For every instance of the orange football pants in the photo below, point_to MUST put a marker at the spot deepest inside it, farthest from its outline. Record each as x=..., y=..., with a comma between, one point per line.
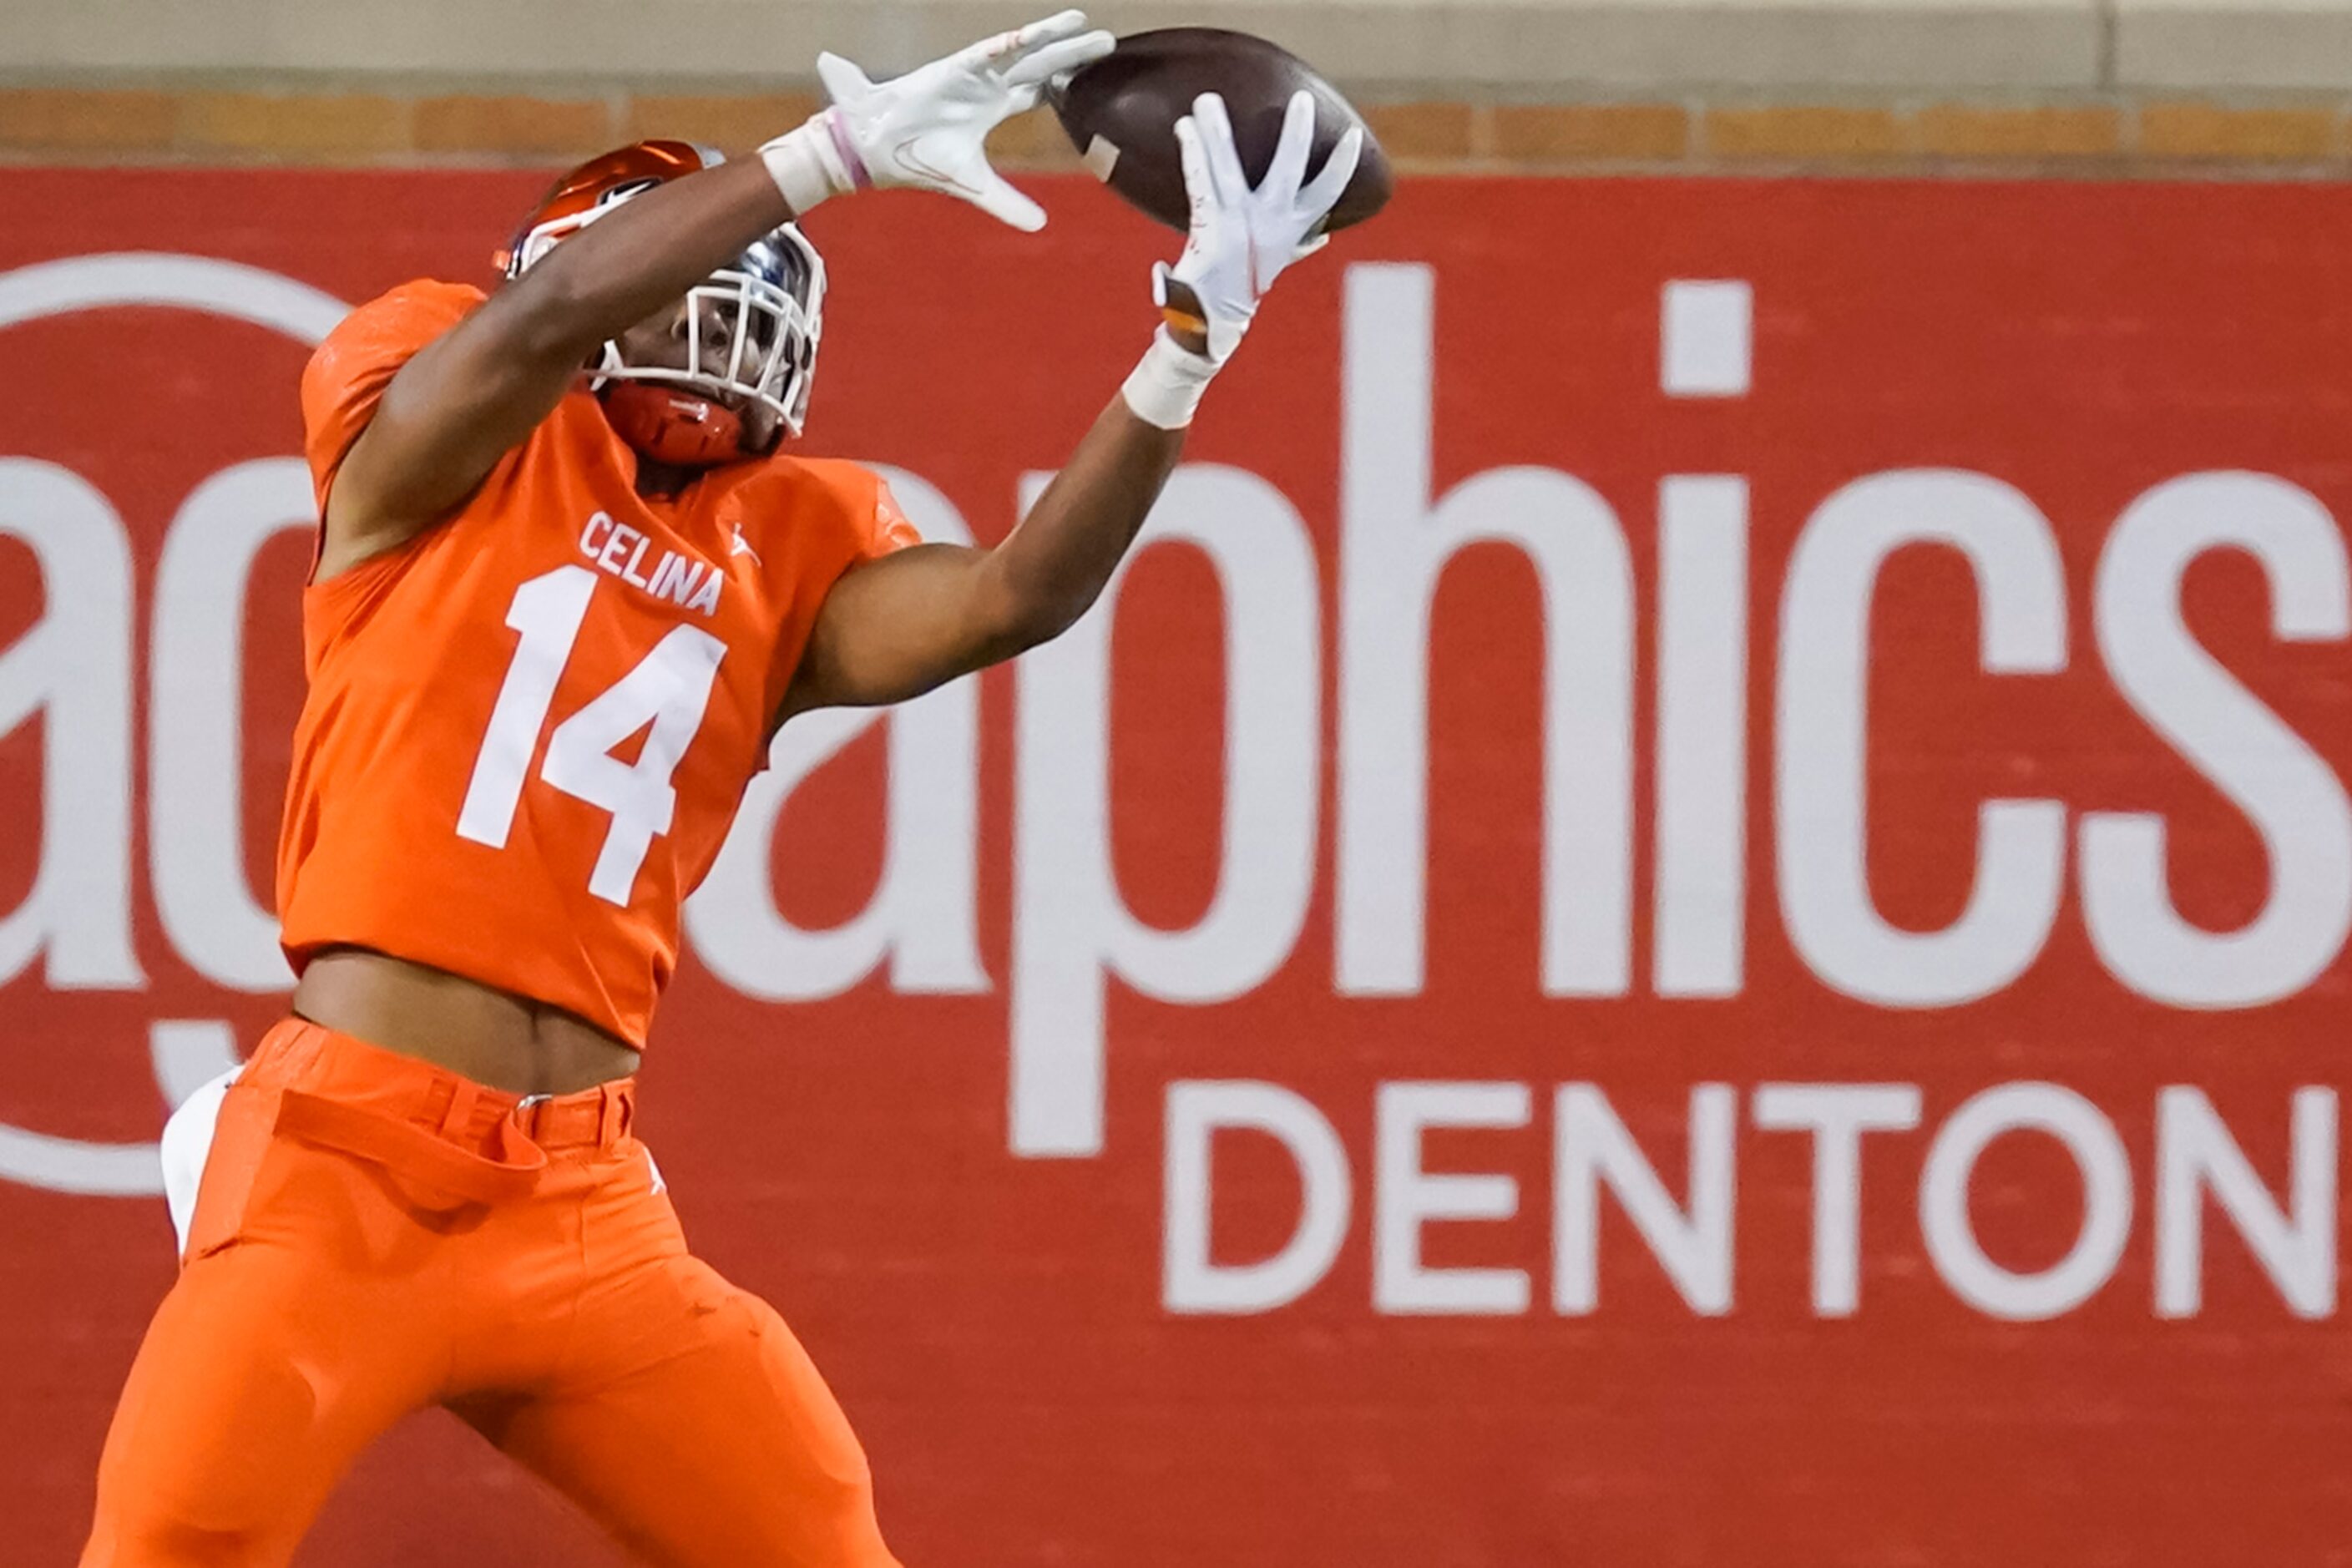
x=372, y=1235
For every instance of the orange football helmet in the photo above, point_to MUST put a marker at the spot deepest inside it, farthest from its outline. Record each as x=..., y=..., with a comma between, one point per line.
x=773, y=300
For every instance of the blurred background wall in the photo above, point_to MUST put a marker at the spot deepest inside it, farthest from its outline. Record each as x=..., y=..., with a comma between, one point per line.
x=1496, y=84
x=1891, y=673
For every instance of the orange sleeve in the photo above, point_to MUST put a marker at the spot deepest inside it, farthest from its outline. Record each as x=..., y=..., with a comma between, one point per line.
x=888, y=529
x=348, y=373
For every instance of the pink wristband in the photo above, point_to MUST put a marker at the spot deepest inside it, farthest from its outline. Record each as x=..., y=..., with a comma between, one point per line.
x=846, y=151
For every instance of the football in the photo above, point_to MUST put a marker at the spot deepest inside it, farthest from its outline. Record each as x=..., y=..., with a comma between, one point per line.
x=1121, y=111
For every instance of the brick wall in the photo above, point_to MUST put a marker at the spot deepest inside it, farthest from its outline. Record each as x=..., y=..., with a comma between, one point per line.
x=2114, y=135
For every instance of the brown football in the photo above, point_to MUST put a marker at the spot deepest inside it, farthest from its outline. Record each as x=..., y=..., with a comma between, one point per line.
x=1121, y=111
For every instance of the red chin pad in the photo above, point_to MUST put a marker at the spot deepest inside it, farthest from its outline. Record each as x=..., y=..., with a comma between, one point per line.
x=670, y=424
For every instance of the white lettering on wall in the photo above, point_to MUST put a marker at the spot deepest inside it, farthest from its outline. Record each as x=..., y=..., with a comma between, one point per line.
x=196, y=720
x=2196, y=1155
x=1837, y=1115
x=1706, y=338
x=1822, y=738
x=1593, y=1149
x=1410, y=1197
x=1700, y=890
x=2264, y=769
x=72, y=670
x=1073, y=931
x=2085, y=1133
x=1197, y=1112
x=1394, y=543
x=1073, y=935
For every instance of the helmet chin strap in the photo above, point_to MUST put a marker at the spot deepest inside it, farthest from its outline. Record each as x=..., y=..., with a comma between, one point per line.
x=672, y=425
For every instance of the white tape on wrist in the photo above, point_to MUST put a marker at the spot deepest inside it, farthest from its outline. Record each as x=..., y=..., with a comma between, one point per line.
x=1166, y=385
x=814, y=163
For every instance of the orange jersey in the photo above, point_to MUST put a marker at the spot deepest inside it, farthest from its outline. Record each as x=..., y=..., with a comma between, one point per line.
x=528, y=728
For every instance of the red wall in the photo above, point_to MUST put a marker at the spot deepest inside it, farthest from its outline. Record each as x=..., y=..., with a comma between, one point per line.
x=2034, y=365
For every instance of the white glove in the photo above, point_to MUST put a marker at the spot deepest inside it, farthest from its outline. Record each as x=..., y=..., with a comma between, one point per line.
x=1241, y=240
x=926, y=128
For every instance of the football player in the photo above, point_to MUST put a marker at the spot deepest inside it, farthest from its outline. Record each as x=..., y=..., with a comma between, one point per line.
x=569, y=581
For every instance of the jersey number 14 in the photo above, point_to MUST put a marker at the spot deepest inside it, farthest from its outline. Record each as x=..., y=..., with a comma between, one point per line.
x=670, y=687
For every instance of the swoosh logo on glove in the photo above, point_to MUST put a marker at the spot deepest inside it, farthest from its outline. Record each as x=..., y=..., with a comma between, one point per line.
x=903, y=154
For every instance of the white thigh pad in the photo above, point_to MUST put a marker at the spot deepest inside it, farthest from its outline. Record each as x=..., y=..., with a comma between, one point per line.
x=187, y=1141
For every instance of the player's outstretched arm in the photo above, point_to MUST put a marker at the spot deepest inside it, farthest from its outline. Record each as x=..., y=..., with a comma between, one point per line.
x=475, y=393
x=900, y=625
